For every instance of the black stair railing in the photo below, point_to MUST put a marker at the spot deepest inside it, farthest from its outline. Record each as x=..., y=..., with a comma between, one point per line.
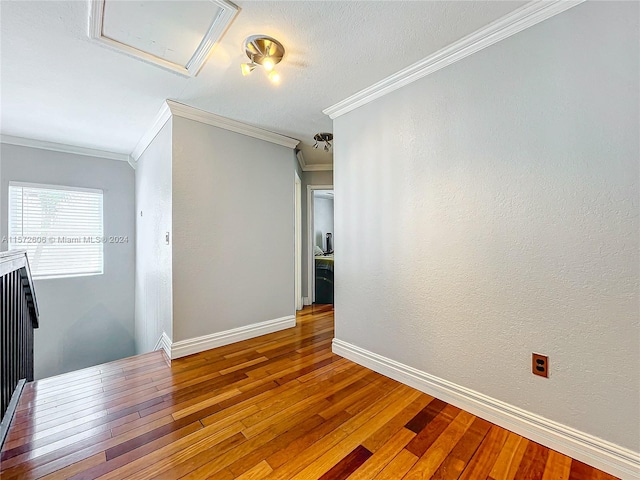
x=18, y=318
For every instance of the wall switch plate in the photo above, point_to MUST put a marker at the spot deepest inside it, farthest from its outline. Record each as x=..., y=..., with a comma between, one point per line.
x=540, y=365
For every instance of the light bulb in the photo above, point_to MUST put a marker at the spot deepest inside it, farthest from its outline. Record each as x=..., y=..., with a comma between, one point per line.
x=268, y=64
x=274, y=76
x=247, y=68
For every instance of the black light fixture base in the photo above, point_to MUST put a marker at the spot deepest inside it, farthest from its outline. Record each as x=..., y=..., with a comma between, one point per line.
x=325, y=138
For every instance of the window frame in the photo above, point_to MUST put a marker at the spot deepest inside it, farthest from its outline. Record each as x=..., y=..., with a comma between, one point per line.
x=65, y=188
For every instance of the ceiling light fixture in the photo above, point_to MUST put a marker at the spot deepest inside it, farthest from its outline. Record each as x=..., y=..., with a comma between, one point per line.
x=265, y=51
x=247, y=68
x=325, y=138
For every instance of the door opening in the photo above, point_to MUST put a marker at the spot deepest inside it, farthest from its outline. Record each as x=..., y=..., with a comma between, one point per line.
x=298, y=242
x=322, y=245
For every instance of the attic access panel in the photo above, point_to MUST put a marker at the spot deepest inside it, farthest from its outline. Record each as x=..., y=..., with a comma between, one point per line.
x=174, y=35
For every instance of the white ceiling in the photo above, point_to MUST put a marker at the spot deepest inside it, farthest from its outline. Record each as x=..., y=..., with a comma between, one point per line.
x=159, y=28
x=58, y=85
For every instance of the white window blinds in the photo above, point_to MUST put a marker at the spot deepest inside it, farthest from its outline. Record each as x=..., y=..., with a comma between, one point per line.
x=60, y=228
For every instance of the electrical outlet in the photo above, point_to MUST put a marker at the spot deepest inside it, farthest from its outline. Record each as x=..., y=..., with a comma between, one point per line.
x=540, y=365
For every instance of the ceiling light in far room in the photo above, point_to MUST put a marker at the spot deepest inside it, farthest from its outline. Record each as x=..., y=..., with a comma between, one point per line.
x=325, y=138
x=265, y=51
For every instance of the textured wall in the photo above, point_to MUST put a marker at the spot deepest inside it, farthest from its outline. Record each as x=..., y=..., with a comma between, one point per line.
x=154, y=297
x=233, y=222
x=84, y=321
x=490, y=210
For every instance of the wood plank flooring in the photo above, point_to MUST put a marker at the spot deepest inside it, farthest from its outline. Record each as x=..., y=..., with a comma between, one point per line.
x=281, y=406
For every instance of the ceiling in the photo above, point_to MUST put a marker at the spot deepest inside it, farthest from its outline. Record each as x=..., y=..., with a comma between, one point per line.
x=154, y=27
x=58, y=85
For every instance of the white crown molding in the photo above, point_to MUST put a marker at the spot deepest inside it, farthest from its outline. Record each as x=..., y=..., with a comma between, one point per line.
x=311, y=168
x=591, y=450
x=318, y=168
x=158, y=122
x=218, y=27
x=215, y=340
x=524, y=17
x=60, y=147
x=170, y=107
x=192, y=113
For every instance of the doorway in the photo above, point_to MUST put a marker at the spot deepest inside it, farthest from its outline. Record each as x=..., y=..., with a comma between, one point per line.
x=298, y=241
x=321, y=244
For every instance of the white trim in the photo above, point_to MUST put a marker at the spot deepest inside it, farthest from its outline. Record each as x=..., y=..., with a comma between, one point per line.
x=301, y=161
x=192, y=113
x=214, y=33
x=524, y=17
x=217, y=29
x=311, y=278
x=164, y=344
x=219, y=339
x=306, y=301
x=298, y=234
x=594, y=451
x=60, y=147
x=311, y=168
x=319, y=168
x=170, y=107
x=158, y=123
x=50, y=186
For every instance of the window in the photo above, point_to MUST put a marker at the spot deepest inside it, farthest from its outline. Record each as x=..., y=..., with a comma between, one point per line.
x=60, y=228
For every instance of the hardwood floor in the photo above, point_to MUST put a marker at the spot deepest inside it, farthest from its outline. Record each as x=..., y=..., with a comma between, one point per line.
x=281, y=406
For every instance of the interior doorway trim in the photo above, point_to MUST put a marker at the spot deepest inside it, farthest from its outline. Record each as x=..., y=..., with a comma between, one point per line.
x=298, y=241
x=311, y=278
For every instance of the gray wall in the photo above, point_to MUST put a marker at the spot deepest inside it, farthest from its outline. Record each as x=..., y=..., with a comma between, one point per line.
x=490, y=210
x=323, y=221
x=154, y=298
x=233, y=221
x=84, y=321
x=309, y=178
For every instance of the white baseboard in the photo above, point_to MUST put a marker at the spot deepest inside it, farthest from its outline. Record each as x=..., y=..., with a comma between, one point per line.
x=219, y=339
x=159, y=343
x=306, y=301
x=164, y=343
x=591, y=450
